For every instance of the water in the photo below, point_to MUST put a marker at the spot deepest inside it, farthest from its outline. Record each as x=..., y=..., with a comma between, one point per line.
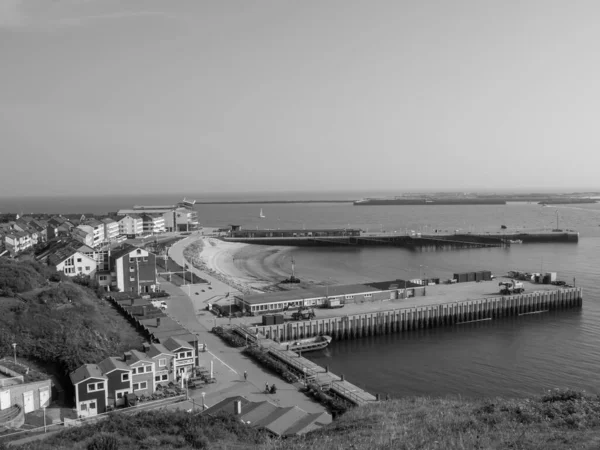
x=507, y=357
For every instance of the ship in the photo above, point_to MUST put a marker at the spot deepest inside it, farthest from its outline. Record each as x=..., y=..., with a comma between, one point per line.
x=308, y=345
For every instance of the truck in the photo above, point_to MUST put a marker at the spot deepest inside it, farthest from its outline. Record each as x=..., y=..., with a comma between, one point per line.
x=334, y=303
x=303, y=314
x=511, y=287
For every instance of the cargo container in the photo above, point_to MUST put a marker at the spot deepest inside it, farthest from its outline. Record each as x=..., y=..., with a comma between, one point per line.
x=487, y=275
x=334, y=303
x=471, y=276
x=478, y=276
x=268, y=320
x=278, y=319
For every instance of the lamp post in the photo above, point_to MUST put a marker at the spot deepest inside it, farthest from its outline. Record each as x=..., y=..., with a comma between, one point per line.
x=44, y=418
x=203, y=405
x=15, y=351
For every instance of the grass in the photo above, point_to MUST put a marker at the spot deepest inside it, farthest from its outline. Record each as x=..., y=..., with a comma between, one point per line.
x=558, y=420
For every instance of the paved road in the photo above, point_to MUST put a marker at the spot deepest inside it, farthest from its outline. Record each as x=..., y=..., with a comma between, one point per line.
x=229, y=363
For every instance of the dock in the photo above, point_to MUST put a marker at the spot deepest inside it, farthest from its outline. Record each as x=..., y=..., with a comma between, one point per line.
x=411, y=241
x=308, y=371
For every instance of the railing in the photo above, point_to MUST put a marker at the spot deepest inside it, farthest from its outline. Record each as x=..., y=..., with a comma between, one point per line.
x=294, y=363
x=347, y=393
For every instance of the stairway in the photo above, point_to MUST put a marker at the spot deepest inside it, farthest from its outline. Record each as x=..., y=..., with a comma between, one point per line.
x=8, y=416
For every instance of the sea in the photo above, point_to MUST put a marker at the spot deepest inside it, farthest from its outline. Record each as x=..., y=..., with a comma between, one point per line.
x=509, y=357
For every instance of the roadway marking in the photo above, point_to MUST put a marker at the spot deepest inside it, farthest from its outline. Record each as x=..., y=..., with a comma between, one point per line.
x=222, y=362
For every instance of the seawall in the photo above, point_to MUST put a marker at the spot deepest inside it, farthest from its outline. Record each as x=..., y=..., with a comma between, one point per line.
x=424, y=316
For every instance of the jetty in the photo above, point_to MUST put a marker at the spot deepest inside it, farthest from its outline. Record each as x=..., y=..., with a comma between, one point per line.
x=354, y=237
x=308, y=371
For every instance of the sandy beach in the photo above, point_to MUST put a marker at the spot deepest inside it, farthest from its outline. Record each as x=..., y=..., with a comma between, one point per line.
x=245, y=267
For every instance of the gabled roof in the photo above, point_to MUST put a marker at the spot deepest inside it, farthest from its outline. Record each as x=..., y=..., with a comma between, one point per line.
x=93, y=223
x=137, y=356
x=111, y=364
x=107, y=220
x=158, y=349
x=175, y=344
x=86, y=372
x=127, y=248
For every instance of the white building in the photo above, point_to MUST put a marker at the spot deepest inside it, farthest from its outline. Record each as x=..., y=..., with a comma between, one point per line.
x=131, y=225
x=97, y=232
x=72, y=263
x=111, y=229
x=83, y=234
x=18, y=241
x=153, y=223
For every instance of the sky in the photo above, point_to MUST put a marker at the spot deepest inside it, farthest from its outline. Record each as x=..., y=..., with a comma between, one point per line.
x=146, y=96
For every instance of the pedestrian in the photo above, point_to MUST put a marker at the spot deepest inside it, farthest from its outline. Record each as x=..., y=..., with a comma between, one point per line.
x=245, y=376
x=267, y=387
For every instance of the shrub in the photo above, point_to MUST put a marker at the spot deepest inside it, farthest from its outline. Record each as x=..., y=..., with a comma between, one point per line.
x=104, y=442
x=229, y=337
x=561, y=395
x=267, y=360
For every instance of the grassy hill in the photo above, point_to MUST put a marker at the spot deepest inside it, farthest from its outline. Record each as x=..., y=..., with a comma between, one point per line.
x=58, y=324
x=558, y=420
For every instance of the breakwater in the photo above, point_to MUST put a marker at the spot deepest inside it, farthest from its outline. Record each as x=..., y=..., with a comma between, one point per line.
x=424, y=316
x=438, y=241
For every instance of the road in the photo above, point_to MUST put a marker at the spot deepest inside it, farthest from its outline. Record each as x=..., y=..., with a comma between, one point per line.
x=229, y=363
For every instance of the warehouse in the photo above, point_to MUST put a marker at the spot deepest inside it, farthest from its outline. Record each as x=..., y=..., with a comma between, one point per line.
x=317, y=297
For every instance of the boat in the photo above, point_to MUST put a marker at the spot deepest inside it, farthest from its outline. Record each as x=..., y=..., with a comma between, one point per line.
x=261, y=215
x=308, y=345
x=516, y=241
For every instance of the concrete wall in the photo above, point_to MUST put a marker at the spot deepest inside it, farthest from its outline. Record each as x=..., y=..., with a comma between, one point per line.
x=426, y=316
x=17, y=391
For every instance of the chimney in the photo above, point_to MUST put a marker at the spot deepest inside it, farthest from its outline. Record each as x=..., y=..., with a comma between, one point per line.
x=145, y=347
x=237, y=407
x=126, y=356
x=157, y=322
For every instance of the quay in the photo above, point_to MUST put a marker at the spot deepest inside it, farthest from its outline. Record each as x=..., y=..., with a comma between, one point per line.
x=440, y=305
x=355, y=237
x=308, y=371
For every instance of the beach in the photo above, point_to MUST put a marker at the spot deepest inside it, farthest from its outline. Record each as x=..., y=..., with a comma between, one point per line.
x=245, y=267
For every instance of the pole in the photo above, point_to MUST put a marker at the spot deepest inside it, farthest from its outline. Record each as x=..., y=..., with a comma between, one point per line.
x=44, y=419
x=137, y=262
x=203, y=405
x=15, y=351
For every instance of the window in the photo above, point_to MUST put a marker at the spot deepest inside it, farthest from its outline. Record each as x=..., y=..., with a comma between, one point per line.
x=162, y=362
x=132, y=268
x=148, y=368
x=87, y=268
x=139, y=252
x=164, y=377
x=94, y=387
x=132, y=279
x=182, y=355
x=140, y=385
x=79, y=269
x=157, y=378
x=125, y=376
x=78, y=259
x=368, y=295
x=188, y=354
x=349, y=297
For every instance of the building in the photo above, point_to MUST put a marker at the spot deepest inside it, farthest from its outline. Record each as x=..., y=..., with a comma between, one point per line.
x=323, y=296
x=186, y=219
x=119, y=380
x=71, y=262
x=163, y=364
x=142, y=372
x=111, y=229
x=83, y=234
x=185, y=356
x=131, y=225
x=153, y=223
x=91, y=392
x=134, y=269
x=17, y=241
x=179, y=217
x=97, y=228
x=278, y=420
x=237, y=232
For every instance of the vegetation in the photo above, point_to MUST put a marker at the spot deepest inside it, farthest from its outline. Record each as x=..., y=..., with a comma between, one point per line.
x=336, y=406
x=60, y=325
x=260, y=355
x=229, y=337
x=556, y=421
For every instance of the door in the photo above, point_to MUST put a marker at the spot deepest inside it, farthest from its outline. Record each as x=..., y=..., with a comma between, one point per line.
x=120, y=397
x=4, y=399
x=44, y=397
x=28, y=405
x=88, y=408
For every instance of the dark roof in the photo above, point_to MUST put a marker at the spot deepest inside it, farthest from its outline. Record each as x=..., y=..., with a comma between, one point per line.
x=137, y=356
x=175, y=343
x=385, y=285
x=127, y=248
x=112, y=363
x=281, y=421
x=85, y=372
x=157, y=349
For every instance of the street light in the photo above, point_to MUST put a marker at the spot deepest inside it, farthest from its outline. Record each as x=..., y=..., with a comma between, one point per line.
x=15, y=351
x=44, y=418
x=203, y=405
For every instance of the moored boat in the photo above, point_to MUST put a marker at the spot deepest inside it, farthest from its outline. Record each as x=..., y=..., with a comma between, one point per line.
x=307, y=345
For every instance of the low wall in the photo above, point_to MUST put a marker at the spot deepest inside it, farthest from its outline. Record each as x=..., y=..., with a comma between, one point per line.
x=426, y=316
x=17, y=391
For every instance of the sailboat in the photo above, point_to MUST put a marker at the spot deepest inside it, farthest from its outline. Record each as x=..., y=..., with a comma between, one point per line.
x=261, y=215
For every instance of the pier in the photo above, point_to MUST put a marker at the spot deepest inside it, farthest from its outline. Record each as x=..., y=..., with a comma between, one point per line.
x=396, y=316
x=306, y=238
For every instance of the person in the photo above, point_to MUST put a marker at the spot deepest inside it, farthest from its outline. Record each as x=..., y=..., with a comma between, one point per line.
x=273, y=389
x=245, y=375
x=267, y=387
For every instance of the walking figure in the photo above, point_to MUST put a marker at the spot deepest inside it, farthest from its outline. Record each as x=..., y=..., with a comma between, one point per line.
x=245, y=376
x=267, y=387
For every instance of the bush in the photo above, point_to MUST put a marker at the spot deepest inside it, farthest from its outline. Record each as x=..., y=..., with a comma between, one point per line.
x=229, y=337
x=104, y=442
x=22, y=276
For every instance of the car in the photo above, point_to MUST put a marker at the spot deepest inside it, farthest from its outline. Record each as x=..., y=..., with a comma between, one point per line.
x=160, y=304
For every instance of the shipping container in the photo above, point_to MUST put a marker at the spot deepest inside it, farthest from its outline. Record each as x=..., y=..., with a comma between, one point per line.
x=478, y=276
x=268, y=320
x=278, y=319
x=487, y=275
x=471, y=276
x=462, y=277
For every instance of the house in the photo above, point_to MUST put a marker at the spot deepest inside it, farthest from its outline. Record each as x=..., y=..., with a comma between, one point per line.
x=97, y=229
x=142, y=372
x=119, y=379
x=153, y=223
x=83, y=234
x=91, y=393
x=278, y=420
x=18, y=389
x=40, y=226
x=131, y=225
x=163, y=364
x=185, y=356
x=111, y=229
x=17, y=241
x=134, y=269
x=68, y=260
x=186, y=219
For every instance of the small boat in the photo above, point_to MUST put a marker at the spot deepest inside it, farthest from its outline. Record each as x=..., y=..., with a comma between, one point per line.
x=516, y=241
x=261, y=215
x=308, y=345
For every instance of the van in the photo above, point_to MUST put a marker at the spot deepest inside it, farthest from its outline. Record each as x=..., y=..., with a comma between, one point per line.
x=160, y=304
